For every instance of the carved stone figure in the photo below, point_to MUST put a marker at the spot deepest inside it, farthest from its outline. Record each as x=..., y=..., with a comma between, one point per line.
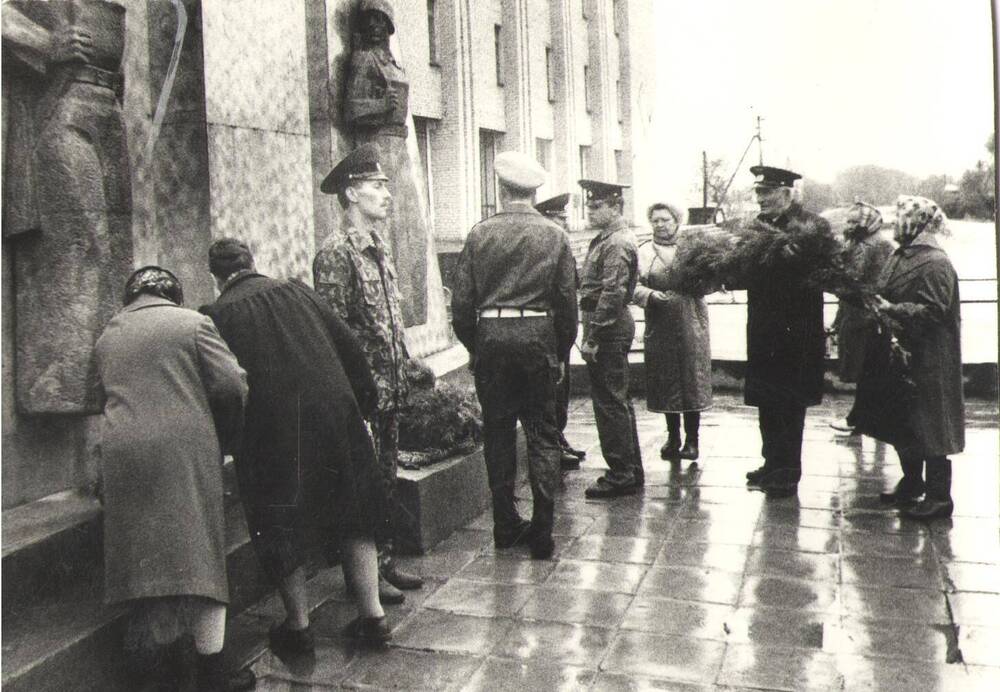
x=67, y=201
x=375, y=110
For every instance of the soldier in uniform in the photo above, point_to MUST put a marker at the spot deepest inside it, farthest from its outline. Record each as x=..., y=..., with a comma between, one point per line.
x=554, y=208
x=354, y=272
x=608, y=281
x=785, y=337
x=514, y=309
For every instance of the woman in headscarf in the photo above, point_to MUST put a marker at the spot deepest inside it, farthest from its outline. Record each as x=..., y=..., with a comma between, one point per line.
x=918, y=292
x=677, y=351
x=173, y=401
x=865, y=255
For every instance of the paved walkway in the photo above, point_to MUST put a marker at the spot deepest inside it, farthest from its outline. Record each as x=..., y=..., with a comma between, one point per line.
x=699, y=584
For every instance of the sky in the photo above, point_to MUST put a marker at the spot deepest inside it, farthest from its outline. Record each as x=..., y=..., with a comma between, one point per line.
x=904, y=84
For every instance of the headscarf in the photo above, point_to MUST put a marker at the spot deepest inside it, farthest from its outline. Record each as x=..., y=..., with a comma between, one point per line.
x=916, y=215
x=156, y=281
x=863, y=220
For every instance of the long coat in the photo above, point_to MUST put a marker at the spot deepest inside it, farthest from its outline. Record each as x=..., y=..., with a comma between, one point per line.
x=921, y=283
x=306, y=460
x=167, y=377
x=866, y=256
x=678, y=353
x=785, y=335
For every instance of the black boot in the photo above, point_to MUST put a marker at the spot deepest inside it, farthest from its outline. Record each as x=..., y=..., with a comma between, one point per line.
x=690, y=448
x=671, y=449
x=212, y=676
x=399, y=578
x=938, y=503
x=754, y=477
x=692, y=421
x=910, y=487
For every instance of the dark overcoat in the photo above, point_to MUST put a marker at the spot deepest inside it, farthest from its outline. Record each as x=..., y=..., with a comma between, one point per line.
x=306, y=458
x=866, y=257
x=172, y=390
x=785, y=336
x=920, y=282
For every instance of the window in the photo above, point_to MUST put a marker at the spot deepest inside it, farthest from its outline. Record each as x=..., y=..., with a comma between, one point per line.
x=586, y=88
x=488, y=183
x=620, y=166
x=584, y=161
x=549, y=86
x=622, y=102
x=585, y=9
x=498, y=51
x=432, y=32
x=615, y=14
x=543, y=152
x=422, y=128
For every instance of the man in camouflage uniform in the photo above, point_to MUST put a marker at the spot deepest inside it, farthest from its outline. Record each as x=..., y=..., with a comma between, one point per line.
x=354, y=272
x=606, y=286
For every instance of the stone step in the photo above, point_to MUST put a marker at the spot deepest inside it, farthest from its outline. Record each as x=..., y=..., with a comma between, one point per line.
x=57, y=633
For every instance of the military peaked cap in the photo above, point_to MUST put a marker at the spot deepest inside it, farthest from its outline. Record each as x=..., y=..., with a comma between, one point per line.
x=516, y=169
x=553, y=205
x=598, y=190
x=769, y=176
x=360, y=164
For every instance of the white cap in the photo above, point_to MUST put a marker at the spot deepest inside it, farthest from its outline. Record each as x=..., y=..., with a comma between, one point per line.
x=516, y=169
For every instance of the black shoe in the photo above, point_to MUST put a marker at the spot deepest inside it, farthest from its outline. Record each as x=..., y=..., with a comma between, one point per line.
x=212, y=676
x=906, y=493
x=690, y=449
x=519, y=535
x=369, y=631
x=928, y=509
x=284, y=640
x=568, y=461
x=391, y=572
x=671, y=449
x=387, y=593
x=780, y=483
x=754, y=477
x=542, y=547
x=601, y=488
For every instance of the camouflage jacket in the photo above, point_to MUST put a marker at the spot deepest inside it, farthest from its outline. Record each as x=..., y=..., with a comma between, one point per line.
x=354, y=273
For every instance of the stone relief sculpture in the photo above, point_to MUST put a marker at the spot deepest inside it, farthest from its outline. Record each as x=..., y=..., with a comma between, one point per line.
x=375, y=110
x=67, y=201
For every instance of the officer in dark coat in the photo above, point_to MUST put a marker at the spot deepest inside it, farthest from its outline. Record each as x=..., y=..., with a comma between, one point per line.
x=514, y=309
x=606, y=287
x=785, y=336
x=306, y=465
x=554, y=208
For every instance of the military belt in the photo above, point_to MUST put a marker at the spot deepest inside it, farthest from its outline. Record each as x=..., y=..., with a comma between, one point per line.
x=511, y=312
x=95, y=75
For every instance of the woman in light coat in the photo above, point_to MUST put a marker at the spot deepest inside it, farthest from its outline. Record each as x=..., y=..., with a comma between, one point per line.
x=174, y=396
x=678, y=354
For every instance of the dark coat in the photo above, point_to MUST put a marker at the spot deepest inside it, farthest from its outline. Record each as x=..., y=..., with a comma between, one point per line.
x=921, y=283
x=865, y=256
x=678, y=352
x=305, y=447
x=785, y=336
x=168, y=379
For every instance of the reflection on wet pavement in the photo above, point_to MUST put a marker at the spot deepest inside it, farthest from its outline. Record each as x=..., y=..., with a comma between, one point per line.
x=699, y=583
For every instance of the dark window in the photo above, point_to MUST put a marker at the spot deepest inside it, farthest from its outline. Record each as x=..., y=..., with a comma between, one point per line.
x=620, y=165
x=584, y=161
x=585, y=9
x=615, y=20
x=498, y=51
x=550, y=87
x=621, y=100
x=543, y=152
x=488, y=184
x=432, y=32
x=586, y=87
x=422, y=128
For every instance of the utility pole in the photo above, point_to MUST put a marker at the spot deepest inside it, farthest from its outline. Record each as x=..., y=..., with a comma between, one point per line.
x=760, y=143
x=704, y=179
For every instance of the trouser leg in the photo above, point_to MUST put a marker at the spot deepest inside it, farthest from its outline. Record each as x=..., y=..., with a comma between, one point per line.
x=387, y=430
x=781, y=436
x=939, y=479
x=673, y=426
x=539, y=420
x=499, y=446
x=615, y=423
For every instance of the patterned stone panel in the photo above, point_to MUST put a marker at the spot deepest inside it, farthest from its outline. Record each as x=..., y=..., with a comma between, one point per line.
x=255, y=64
x=261, y=187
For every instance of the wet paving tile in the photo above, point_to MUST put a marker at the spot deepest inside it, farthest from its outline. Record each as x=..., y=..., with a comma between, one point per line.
x=980, y=645
x=327, y=666
x=970, y=608
x=881, y=522
x=507, y=570
x=691, y=584
x=556, y=642
x=577, y=606
x=791, y=563
x=784, y=592
x=614, y=549
x=641, y=526
x=464, y=540
x=616, y=682
x=597, y=576
x=500, y=675
x=665, y=656
x=863, y=543
x=780, y=628
x=688, y=618
x=727, y=557
x=441, y=565
x=971, y=576
x=479, y=598
x=779, y=669
x=869, y=674
x=569, y=525
x=801, y=538
x=888, y=603
x=440, y=631
x=975, y=543
x=890, y=571
x=733, y=532
x=412, y=670
x=793, y=515
x=916, y=641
